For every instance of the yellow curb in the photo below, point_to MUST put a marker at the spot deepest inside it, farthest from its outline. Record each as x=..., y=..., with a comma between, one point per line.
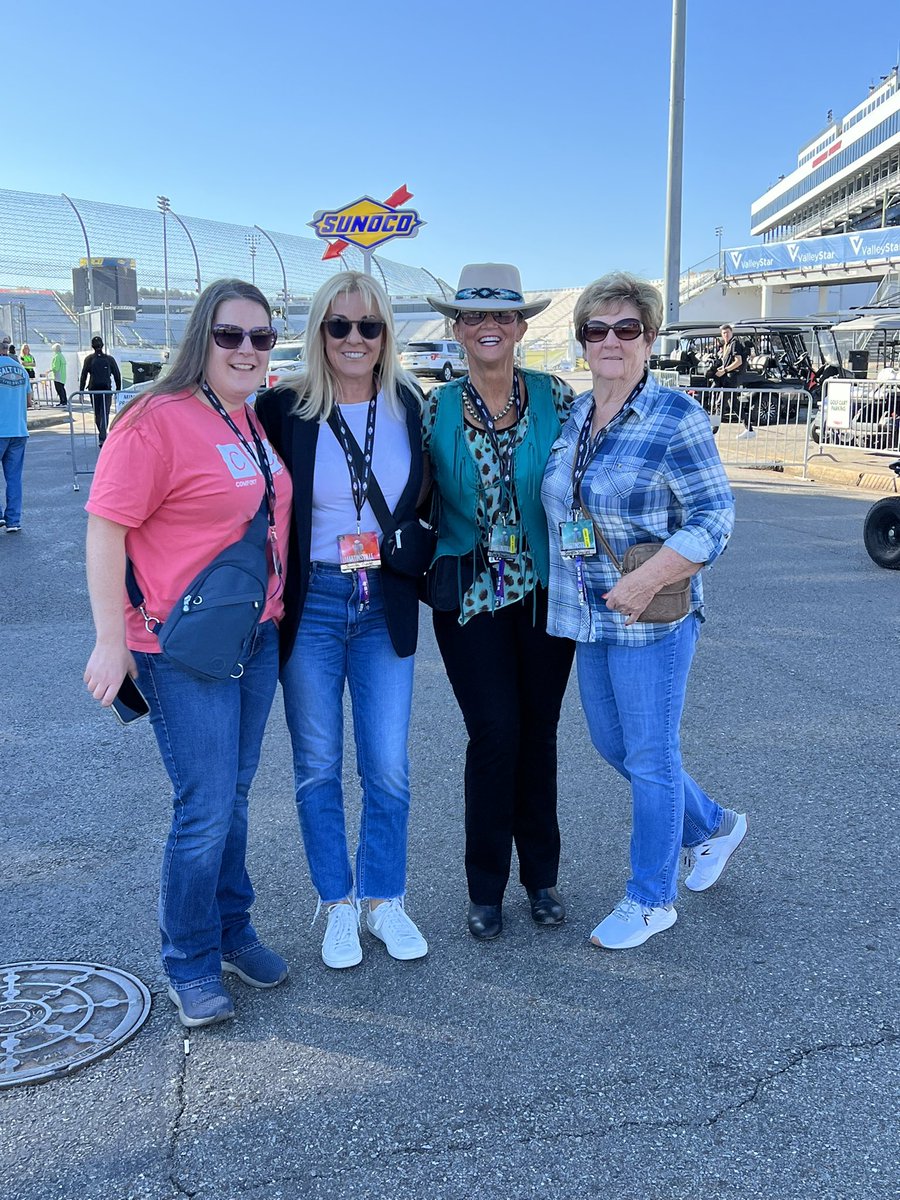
x=851, y=477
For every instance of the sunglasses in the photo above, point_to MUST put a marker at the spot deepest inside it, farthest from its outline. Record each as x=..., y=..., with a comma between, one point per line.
x=486, y=293
x=626, y=330
x=229, y=337
x=369, y=327
x=475, y=318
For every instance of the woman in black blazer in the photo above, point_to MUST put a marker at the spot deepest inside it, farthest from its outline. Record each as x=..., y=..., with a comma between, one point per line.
x=353, y=417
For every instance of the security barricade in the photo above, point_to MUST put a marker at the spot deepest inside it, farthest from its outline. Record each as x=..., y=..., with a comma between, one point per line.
x=666, y=377
x=762, y=428
x=863, y=413
x=43, y=393
x=90, y=414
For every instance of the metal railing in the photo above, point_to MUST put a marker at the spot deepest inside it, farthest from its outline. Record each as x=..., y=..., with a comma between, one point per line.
x=760, y=428
x=90, y=414
x=862, y=413
x=43, y=393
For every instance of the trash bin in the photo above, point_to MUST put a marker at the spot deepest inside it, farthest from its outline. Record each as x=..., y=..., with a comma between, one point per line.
x=858, y=361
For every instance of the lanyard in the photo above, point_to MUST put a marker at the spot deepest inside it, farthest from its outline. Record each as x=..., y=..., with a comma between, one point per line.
x=259, y=457
x=504, y=458
x=589, y=444
x=359, y=484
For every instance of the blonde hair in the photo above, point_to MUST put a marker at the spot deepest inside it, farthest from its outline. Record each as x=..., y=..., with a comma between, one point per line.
x=318, y=389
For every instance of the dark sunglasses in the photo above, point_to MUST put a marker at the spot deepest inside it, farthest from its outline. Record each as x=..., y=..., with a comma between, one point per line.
x=369, y=327
x=475, y=318
x=626, y=330
x=486, y=293
x=229, y=337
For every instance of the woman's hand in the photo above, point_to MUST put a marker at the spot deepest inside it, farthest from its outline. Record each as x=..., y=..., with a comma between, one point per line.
x=105, y=670
x=110, y=660
x=632, y=594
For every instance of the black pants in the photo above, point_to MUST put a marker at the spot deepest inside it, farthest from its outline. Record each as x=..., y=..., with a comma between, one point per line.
x=61, y=391
x=102, y=402
x=509, y=677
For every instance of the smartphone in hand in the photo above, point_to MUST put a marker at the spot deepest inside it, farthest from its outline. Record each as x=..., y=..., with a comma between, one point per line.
x=129, y=704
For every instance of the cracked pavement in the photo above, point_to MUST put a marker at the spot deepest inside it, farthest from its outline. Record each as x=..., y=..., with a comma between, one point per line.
x=751, y=1051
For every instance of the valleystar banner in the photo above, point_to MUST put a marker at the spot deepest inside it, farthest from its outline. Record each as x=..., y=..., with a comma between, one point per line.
x=807, y=254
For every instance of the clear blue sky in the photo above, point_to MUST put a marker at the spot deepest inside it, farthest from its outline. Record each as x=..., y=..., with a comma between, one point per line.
x=529, y=131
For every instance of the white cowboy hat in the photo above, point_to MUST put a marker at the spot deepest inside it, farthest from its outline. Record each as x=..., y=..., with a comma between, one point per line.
x=488, y=287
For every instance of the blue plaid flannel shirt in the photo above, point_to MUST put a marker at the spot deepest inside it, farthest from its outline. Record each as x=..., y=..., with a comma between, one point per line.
x=657, y=477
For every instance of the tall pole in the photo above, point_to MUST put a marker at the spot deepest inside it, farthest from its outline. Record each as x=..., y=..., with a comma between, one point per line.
x=252, y=240
x=676, y=146
x=162, y=203
x=271, y=242
x=173, y=213
x=720, y=229
x=87, y=247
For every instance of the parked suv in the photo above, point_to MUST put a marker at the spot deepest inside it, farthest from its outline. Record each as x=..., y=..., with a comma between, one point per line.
x=435, y=360
x=782, y=359
x=286, y=362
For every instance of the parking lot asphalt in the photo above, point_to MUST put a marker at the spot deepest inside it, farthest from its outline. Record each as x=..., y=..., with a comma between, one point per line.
x=751, y=1051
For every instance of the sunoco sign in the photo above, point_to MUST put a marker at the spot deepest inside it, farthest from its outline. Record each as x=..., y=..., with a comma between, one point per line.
x=366, y=223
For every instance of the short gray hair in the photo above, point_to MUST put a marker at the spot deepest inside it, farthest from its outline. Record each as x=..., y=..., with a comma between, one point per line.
x=619, y=287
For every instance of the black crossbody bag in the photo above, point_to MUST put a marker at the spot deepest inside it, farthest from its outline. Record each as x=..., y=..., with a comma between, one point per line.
x=209, y=632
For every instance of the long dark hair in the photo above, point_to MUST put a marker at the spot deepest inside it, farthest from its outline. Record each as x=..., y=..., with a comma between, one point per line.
x=189, y=363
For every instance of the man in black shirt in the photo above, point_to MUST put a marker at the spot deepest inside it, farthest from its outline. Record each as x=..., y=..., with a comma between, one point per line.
x=730, y=374
x=99, y=370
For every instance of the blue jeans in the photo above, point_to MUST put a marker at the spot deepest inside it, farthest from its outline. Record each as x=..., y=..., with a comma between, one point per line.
x=209, y=736
x=12, y=459
x=633, y=697
x=337, y=643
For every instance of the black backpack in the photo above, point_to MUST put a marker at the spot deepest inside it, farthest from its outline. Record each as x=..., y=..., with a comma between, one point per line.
x=100, y=374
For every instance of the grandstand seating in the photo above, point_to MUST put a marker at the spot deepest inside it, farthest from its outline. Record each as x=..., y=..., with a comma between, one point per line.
x=45, y=318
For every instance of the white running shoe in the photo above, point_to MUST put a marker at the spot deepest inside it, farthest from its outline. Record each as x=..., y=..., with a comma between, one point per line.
x=707, y=861
x=630, y=924
x=340, y=946
x=746, y=435
x=390, y=922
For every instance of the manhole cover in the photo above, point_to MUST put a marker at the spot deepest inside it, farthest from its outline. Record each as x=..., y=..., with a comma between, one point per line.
x=57, y=1017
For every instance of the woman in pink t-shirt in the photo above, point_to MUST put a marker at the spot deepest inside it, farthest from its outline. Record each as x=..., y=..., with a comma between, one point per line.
x=181, y=476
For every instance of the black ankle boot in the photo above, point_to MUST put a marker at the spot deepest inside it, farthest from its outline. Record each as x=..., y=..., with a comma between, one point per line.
x=485, y=921
x=547, y=907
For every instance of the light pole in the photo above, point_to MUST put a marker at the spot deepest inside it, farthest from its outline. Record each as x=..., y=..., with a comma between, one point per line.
x=672, y=280
x=162, y=203
x=720, y=229
x=252, y=240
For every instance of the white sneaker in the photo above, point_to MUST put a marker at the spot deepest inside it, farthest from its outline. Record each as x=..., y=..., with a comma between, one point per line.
x=630, y=924
x=707, y=861
x=340, y=946
x=390, y=923
x=746, y=435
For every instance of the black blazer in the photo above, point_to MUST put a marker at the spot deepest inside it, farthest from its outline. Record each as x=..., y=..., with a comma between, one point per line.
x=295, y=441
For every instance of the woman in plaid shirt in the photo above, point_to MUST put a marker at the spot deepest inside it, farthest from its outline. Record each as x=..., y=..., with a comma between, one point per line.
x=638, y=461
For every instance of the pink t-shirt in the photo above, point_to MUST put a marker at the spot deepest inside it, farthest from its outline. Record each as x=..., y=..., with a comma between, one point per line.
x=183, y=484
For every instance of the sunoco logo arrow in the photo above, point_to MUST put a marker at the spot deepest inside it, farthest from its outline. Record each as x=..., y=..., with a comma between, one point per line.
x=366, y=223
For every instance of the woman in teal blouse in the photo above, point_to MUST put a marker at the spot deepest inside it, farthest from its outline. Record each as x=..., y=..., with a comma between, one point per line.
x=488, y=436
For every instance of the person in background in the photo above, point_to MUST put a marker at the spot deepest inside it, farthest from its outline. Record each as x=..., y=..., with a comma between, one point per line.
x=488, y=436
x=637, y=462
x=185, y=471
x=350, y=622
x=730, y=372
x=26, y=358
x=15, y=395
x=99, y=370
x=58, y=371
